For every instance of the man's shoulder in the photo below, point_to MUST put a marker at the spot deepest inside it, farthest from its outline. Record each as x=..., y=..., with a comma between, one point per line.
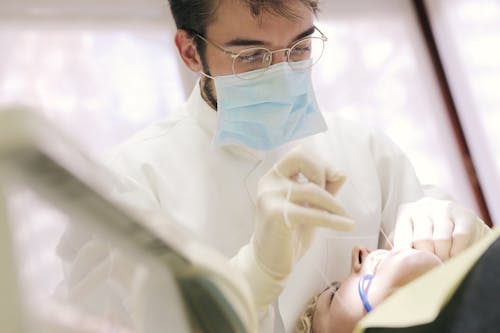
x=164, y=135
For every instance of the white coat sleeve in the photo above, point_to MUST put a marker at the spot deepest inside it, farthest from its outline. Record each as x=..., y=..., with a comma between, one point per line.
x=106, y=282
x=109, y=282
x=131, y=192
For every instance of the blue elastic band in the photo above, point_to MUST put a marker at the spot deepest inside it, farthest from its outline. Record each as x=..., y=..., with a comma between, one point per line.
x=362, y=289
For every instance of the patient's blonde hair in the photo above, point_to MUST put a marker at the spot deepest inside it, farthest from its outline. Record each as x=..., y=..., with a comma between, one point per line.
x=304, y=324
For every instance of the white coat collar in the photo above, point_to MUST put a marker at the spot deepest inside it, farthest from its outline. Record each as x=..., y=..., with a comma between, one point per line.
x=207, y=118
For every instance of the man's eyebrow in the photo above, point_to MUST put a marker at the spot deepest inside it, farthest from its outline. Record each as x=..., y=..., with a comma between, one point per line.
x=244, y=42
x=256, y=42
x=306, y=33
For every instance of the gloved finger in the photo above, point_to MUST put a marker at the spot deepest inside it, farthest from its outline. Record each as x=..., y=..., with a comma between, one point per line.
x=334, y=180
x=458, y=244
x=423, y=232
x=311, y=195
x=313, y=217
x=464, y=220
x=442, y=248
x=463, y=232
x=443, y=230
x=298, y=162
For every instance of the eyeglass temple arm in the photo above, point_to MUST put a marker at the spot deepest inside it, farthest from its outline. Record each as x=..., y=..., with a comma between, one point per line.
x=230, y=53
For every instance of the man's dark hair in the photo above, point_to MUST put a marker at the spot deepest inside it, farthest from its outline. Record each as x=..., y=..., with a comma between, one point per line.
x=196, y=15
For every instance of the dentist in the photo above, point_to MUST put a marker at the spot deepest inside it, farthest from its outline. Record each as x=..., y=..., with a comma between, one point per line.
x=253, y=105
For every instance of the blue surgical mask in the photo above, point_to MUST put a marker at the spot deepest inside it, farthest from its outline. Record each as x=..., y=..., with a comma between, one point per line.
x=269, y=111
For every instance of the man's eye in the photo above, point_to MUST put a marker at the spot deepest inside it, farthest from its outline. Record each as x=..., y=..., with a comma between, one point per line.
x=301, y=50
x=251, y=57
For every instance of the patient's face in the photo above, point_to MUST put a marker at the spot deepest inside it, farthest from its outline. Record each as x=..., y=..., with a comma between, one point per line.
x=391, y=270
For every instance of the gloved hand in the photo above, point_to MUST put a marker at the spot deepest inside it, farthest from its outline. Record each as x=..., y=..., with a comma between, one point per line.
x=294, y=198
x=439, y=226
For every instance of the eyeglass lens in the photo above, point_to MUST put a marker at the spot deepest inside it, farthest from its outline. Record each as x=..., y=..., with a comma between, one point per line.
x=259, y=58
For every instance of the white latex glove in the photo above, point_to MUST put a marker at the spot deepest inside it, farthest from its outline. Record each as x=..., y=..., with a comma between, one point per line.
x=294, y=198
x=439, y=226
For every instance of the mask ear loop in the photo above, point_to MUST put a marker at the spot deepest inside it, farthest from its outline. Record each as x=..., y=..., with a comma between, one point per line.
x=207, y=76
x=363, y=286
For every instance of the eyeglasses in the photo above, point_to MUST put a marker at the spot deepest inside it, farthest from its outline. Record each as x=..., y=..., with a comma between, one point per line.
x=303, y=54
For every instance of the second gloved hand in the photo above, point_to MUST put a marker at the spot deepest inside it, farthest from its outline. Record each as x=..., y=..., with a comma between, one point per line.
x=438, y=226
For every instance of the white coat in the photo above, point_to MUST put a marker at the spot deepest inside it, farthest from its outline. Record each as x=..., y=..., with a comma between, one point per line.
x=212, y=191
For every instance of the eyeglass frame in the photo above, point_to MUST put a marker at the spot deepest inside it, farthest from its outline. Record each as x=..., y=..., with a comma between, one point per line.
x=235, y=55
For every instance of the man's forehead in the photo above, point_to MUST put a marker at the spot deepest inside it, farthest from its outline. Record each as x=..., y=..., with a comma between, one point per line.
x=244, y=12
x=234, y=19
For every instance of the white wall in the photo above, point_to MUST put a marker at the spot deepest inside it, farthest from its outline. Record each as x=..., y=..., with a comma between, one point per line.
x=468, y=35
x=377, y=70
x=105, y=69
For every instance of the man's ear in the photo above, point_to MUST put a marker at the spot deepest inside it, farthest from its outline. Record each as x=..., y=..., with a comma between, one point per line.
x=187, y=50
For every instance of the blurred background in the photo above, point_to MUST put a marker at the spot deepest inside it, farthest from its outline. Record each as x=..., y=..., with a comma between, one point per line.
x=104, y=69
x=425, y=72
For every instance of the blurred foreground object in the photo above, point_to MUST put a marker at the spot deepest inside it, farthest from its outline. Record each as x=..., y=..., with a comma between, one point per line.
x=195, y=285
